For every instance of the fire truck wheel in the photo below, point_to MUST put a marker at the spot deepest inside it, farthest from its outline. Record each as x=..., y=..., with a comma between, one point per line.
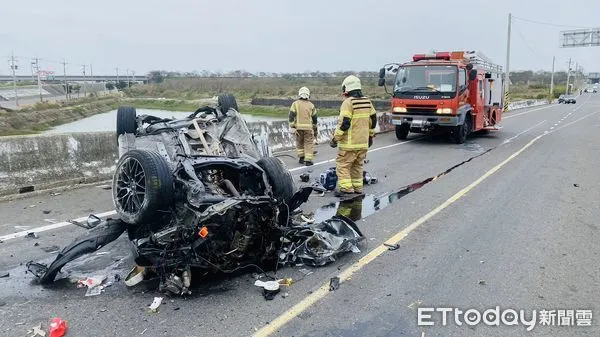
x=462, y=131
x=402, y=131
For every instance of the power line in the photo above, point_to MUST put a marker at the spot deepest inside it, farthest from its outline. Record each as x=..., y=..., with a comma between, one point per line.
x=527, y=44
x=553, y=24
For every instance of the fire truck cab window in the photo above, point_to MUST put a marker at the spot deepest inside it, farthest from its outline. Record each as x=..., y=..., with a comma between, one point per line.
x=431, y=79
x=462, y=79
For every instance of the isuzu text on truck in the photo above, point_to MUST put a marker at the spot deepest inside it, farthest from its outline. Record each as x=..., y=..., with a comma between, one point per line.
x=454, y=92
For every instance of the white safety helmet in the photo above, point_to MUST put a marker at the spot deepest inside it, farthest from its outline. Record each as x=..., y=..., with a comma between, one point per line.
x=304, y=93
x=351, y=83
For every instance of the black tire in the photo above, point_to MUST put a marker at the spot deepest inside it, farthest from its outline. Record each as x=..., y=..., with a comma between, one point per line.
x=226, y=102
x=126, y=122
x=402, y=131
x=136, y=203
x=462, y=131
x=279, y=177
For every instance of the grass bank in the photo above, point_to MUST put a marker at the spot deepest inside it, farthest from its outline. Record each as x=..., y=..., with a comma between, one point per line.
x=43, y=116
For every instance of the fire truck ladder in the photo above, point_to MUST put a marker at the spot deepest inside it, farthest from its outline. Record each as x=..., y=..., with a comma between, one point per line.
x=479, y=60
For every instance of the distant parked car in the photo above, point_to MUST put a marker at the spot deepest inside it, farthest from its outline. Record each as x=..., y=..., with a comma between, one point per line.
x=561, y=99
x=570, y=99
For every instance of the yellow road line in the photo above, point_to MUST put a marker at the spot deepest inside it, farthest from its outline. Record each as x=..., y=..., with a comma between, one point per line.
x=345, y=275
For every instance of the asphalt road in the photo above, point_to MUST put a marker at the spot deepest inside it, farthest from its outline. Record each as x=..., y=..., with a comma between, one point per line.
x=514, y=227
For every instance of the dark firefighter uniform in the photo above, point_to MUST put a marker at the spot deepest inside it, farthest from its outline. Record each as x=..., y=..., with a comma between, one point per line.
x=353, y=136
x=303, y=120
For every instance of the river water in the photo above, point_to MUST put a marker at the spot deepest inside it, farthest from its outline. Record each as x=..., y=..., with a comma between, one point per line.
x=108, y=121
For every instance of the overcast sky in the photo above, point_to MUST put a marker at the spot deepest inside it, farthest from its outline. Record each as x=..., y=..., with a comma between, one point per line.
x=284, y=35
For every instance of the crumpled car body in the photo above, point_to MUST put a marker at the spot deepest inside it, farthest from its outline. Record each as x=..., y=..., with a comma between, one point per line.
x=199, y=193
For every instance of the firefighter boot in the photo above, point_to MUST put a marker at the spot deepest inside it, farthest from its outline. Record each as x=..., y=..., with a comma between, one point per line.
x=343, y=193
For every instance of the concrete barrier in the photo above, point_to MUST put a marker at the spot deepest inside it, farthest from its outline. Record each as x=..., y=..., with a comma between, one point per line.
x=30, y=163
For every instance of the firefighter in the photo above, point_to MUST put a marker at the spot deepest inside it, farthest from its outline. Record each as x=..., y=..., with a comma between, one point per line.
x=354, y=135
x=303, y=123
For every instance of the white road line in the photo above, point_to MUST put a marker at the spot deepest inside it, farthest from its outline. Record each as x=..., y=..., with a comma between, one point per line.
x=52, y=226
x=577, y=120
x=526, y=112
x=520, y=133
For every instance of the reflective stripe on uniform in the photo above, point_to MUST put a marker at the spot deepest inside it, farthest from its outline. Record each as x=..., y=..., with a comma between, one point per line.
x=354, y=146
x=345, y=184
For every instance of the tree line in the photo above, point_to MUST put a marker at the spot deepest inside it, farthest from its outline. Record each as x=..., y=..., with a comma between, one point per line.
x=526, y=77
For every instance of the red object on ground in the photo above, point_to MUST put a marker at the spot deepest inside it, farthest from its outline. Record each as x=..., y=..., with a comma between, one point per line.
x=58, y=327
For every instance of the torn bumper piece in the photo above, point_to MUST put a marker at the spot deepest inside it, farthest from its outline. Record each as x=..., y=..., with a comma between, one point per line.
x=320, y=244
x=96, y=238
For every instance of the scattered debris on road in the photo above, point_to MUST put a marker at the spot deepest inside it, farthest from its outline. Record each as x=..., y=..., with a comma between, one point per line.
x=55, y=194
x=4, y=275
x=33, y=235
x=576, y=185
x=46, y=211
x=94, y=284
x=392, y=247
x=482, y=282
x=37, y=331
x=305, y=177
x=334, y=283
x=135, y=276
x=58, y=327
x=270, y=288
x=320, y=244
x=155, y=304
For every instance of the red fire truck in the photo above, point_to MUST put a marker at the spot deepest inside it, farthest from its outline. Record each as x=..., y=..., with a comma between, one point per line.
x=457, y=92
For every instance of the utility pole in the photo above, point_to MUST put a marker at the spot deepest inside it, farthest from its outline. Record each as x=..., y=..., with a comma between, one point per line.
x=568, y=76
x=32, y=72
x=39, y=81
x=507, y=79
x=64, y=63
x=117, y=84
x=552, y=79
x=91, y=70
x=14, y=67
x=84, y=80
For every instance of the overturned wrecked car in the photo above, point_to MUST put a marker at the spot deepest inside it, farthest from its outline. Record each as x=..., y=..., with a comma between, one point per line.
x=200, y=193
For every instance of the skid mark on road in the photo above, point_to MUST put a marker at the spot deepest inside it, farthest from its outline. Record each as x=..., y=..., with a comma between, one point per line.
x=347, y=273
